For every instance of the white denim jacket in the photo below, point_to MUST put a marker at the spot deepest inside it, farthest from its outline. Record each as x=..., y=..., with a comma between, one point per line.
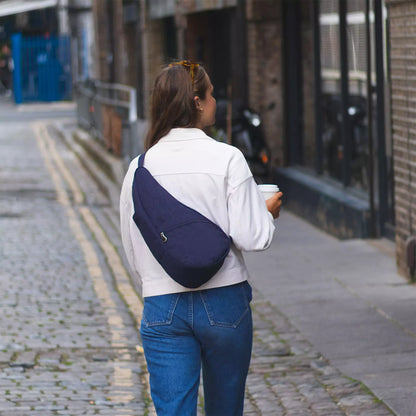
x=212, y=178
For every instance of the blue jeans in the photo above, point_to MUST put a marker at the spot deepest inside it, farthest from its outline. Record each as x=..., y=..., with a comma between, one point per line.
x=183, y=331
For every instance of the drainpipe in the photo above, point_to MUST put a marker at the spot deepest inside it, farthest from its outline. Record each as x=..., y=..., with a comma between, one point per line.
x=319, y=154
x=381, y=145
x=370, y=123
x=346, y=125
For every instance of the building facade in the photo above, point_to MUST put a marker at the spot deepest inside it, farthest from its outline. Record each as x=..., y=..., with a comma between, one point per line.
x=315, y=70
x=331, y=79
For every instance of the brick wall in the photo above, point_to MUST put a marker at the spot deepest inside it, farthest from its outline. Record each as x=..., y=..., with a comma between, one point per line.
x=119, y=52
x=264, y=42
x=102, y=41
x=109, y=45
x=402, y=37
x=153, y=59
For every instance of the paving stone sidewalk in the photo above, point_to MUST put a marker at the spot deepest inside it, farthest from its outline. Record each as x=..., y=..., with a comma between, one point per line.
x=289, y=377
x=63, y=349
x=69, y=344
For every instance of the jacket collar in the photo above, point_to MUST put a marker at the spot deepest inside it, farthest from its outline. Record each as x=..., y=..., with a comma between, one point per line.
x=179, y=134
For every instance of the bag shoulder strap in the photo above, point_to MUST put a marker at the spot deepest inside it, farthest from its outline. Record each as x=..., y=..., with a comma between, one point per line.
x=141, y=159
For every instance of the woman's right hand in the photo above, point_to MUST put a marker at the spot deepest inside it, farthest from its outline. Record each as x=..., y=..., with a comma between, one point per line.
x=274, y=203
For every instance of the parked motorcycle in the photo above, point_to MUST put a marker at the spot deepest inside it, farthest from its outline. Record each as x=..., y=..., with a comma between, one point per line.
x=247, y=135
x=332, y=138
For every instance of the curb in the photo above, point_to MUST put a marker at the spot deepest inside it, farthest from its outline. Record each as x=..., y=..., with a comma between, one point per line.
x=106, y=170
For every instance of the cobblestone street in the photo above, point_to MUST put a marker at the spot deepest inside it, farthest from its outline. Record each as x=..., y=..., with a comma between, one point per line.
x=69, y=343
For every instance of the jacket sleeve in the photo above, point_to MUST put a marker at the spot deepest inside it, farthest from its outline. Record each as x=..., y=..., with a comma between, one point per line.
x=126, y=214
x=250, y=223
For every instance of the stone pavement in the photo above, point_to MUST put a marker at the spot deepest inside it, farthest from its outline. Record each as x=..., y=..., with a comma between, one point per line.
x=69, y=311
x=346, y=298
x=67, y=341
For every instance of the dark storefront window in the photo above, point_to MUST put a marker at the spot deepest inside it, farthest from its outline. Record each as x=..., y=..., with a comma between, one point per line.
x=345, y=136
x=349, y=100
x=329, y=49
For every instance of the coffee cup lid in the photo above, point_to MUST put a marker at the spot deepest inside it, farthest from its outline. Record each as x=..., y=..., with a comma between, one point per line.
x=268, y=187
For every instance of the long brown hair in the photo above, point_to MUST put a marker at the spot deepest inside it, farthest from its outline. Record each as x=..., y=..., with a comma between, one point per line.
x=172, y=103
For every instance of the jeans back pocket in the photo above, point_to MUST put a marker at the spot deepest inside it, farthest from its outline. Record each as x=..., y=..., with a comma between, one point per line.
x=227, y=306
x=159, y=310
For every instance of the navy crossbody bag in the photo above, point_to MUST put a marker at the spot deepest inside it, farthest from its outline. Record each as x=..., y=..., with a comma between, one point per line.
x=189, y=247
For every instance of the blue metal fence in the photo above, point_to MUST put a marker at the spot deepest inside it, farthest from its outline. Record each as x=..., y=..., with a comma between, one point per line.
x=42, y=68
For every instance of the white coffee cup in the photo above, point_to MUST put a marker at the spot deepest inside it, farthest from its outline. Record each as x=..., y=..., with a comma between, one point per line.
x=268, y=190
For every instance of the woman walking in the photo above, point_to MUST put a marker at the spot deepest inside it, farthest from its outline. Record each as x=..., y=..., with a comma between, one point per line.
x=184, y=330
